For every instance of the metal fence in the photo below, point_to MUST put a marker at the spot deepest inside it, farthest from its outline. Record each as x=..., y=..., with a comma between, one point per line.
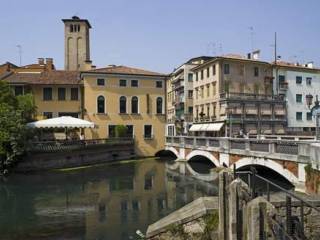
x=259, y=147
x=287, y=148
x=68, y=145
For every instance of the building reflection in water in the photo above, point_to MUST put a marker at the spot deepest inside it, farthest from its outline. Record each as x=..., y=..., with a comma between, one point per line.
x=105, y=202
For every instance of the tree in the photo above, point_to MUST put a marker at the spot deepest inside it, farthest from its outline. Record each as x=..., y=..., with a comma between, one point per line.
x=121, y=131
x=15, y=112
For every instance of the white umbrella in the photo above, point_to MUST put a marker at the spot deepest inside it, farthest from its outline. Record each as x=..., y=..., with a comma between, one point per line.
x=61, y=122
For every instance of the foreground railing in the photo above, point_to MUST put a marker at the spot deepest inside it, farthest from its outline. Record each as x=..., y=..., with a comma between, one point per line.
x=290, y=227
x=63, y=145
x=289, y=147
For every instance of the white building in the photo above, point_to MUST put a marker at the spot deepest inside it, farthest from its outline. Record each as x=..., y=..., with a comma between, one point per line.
x=298, y=83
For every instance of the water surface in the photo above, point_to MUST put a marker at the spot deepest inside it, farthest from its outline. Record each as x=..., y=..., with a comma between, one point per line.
x=102, y=202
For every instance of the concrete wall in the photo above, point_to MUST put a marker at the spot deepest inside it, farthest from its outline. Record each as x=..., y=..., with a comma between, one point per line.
x=76, y=158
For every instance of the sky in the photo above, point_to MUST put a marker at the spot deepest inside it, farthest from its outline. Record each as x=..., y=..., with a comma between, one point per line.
x=159, y=35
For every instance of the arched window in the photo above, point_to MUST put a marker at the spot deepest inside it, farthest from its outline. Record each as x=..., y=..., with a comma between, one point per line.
x=123, y=104
x=159, y=105
x=100, y=104
x=134, y=104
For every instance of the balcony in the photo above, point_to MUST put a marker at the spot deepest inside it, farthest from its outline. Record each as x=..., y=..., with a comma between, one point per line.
x=251, y=111
x=280, y=112
x=266, y=111
x=246, y=96
x=283, y=86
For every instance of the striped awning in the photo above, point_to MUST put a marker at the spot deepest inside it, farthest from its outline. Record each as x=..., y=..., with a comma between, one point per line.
x=207, y=127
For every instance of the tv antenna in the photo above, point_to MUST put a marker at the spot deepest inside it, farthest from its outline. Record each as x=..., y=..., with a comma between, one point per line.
x=211, y=48
x=251, y=29
x=20, y=54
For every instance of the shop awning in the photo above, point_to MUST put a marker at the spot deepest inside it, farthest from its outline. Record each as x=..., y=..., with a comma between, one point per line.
x=195, y=127
x=215, y=127
x=61, y=122
x=212, y=127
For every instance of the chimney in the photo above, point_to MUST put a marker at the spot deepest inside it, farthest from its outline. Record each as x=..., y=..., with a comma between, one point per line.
x=256, y=55
x=49, y=64
x=41, y=61
x=309, y=65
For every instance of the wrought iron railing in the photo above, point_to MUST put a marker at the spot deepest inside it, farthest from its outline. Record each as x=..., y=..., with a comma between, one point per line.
x=66, y=145
x=292, y=227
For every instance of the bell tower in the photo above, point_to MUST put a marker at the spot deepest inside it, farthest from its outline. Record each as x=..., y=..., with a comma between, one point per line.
x=76, y=44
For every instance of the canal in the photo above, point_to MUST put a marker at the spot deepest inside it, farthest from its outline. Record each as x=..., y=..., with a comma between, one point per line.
x=103, y=202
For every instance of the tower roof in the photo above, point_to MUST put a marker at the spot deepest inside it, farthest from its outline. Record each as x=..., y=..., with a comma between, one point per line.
x=76, y=19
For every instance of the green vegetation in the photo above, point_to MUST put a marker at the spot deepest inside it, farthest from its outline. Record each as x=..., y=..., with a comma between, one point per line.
x=121, y=131
x=15, y=112
x=212, y=221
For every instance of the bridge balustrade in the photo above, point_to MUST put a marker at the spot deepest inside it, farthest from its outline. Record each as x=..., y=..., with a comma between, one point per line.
x=259, y=146
x=287, y=148
x=214, y=142
x=189, y=141
x=238, y=145
x=201, y=142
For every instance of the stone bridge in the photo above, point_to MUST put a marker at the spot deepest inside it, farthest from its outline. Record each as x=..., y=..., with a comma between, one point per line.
x=286, y=157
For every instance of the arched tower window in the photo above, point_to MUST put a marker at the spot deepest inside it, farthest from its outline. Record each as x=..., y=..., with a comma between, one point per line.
x=134, y=105
x=71, y=27
x=159, y=105
x=123, y=104
x=101, y=104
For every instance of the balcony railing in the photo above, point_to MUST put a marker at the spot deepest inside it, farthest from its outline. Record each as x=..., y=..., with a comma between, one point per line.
x=248, y=96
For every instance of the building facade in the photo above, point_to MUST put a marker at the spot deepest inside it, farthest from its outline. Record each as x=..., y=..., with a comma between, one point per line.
x=135, y=98
x=296, y=84
x=180, y=97
x=233, y=94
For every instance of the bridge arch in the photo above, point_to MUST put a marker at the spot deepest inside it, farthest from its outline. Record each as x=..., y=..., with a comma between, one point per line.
x=203, y=154
x=247, y=161
x=173, y=150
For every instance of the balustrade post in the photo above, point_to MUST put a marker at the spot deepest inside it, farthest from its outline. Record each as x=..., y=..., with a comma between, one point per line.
x=194, y=142
x=247, y=145
x=182, y=141
x=272, y=147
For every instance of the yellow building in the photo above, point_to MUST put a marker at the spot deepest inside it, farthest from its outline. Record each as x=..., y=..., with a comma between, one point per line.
x=237, y=92
x=119, y=95
x=56, y=92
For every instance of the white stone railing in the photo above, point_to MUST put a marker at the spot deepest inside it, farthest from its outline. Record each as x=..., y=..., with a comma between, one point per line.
x=259, y=147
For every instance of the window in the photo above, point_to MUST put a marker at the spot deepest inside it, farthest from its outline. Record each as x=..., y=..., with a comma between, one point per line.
x=18, y=90
x=214, y=69
x=308, y=80
x=122, y=83
x=226, y=69
x=309, y=116
x=70, y=114
x=134, y=83
x=148, y=181
x=190, y=77
x=112, y=131
x=47, y=94
x=201, y=93
x=134, y=104
x=78, y=28
x=71, y=28
x=298, y=80
x=208, y=90
x=190, y=93
x=299, y=116
x=299, y=98
x=47, y=115
x=282, y=79
x=159, y=105
x=256, y=71
x=201, y=74
x=100, y=104
x=147, y=131
x=100, y=82
x=197, y=77
x=158, y=84
x=197, y=93
x=208, y=72
x=61, y=94
x=74, y=94
x=190, y=110
x=123, y=104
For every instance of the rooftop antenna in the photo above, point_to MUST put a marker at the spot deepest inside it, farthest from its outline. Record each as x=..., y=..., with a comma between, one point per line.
x=20, y=54
x=251, y=37
x=211, y=48
x=220, y=49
